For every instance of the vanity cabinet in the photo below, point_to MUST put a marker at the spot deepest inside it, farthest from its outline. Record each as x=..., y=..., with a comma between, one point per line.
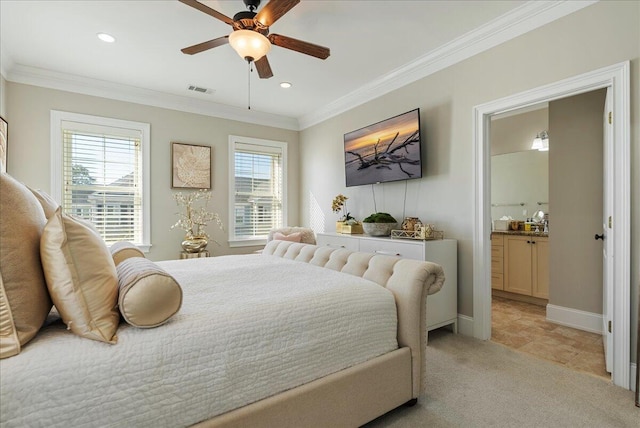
x=526, y=265
x=442, y=307
x=497, y=262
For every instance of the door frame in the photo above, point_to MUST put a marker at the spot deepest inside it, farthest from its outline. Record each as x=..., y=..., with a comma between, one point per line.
x=616, y=79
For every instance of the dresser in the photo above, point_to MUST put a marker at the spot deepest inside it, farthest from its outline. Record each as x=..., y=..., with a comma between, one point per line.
x=442, y=307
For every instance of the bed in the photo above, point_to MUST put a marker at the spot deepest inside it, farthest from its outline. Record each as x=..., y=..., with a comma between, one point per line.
x=299, y=335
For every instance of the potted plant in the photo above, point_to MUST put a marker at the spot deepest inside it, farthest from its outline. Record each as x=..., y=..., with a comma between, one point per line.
x=347, y=223
x=379, y=224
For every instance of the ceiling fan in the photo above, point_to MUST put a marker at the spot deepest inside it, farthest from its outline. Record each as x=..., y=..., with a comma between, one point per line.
x=250, y=36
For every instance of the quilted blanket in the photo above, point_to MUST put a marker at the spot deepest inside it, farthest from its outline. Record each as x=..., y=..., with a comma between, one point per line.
x=250, y=327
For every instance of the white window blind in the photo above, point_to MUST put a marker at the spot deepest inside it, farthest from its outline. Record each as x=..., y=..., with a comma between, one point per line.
x=258, y=189
x=98, y=174
x=102, y=175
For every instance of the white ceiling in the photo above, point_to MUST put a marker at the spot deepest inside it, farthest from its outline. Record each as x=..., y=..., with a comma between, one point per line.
x=370, y=41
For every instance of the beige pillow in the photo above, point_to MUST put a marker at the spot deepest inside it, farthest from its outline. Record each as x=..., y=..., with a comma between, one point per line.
x=81, y=277
x=149, y=296
x=24, y=299
x=122, y=250
x=49, y=205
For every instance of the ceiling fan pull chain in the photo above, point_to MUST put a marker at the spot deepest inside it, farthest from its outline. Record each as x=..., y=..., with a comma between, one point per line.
x=249, y=85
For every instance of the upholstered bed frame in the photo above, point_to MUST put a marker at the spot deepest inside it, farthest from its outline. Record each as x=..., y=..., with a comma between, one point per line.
x=359, y=394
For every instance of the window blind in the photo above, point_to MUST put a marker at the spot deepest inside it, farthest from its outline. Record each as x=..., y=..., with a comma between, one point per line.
x=102, y=179
x=258, y=190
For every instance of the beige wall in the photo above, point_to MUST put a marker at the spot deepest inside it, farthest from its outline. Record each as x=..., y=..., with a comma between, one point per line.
x=515, y=133
x=597, y=36
x=575, y=196
x=29, y=155
x=3, y=97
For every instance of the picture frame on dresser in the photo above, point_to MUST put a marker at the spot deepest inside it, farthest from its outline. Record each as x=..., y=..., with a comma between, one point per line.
x=4, y=143
x=190, y=166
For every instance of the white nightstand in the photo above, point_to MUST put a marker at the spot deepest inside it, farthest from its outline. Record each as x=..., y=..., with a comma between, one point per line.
x=185, y=255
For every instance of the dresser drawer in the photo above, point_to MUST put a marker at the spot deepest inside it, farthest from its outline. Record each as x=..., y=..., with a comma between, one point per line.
x=338, y=242
x=394, y=247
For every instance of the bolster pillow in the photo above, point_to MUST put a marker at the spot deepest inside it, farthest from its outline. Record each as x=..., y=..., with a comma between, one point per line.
x=149, y=296
x=122, y=250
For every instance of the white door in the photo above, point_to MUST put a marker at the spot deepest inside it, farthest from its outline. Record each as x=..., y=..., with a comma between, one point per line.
x=606, y=236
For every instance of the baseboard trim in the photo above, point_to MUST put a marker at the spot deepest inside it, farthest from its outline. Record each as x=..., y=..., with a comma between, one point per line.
x=465, y=325
x=575, y=318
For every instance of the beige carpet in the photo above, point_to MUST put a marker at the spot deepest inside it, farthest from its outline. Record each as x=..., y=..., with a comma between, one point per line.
x=474, y=383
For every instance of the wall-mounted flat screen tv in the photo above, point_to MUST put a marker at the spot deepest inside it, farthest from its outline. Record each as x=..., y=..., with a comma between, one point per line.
x=385, y=151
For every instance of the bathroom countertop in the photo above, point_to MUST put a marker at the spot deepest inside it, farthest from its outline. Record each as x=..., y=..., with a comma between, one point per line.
x=520, y=232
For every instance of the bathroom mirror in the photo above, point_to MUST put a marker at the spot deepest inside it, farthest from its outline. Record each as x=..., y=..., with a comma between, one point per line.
x=519, y=184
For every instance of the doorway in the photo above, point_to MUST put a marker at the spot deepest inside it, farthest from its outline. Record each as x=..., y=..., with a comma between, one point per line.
x=616, y=79
x=547, y=288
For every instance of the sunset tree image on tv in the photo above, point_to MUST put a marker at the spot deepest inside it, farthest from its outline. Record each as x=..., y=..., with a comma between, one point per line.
x=385, y=151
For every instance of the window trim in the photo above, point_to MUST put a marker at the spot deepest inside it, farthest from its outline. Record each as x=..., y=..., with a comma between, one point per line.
x=233, y=139
x=57, y=117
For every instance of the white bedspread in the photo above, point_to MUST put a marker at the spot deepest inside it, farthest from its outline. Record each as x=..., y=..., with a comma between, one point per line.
x=250, y=326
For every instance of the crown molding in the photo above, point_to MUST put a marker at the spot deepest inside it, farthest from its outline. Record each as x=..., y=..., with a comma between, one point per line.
x=520, y=20
x=6, y=63
x=100, y=88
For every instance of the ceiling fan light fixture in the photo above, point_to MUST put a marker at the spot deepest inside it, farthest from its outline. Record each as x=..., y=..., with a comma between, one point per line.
x=250, y=45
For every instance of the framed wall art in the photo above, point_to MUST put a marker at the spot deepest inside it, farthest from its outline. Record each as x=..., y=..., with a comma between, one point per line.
x=190, y=166
x=4, y=138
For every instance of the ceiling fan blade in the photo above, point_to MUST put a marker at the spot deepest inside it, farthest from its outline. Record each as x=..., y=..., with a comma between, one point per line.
x=200, y=47
x=206, y=9
x=263, y=67
x=299, y=46
x=274, y=10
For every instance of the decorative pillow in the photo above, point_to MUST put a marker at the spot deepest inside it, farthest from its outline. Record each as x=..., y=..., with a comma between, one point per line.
x=292, y=237
x=81, y=277
x=49, y=205
x=24, y=299
x=122, y=250
x=149, y=296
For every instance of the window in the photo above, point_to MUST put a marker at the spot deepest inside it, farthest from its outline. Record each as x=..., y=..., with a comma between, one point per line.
x=100, y=173
x=257, y=189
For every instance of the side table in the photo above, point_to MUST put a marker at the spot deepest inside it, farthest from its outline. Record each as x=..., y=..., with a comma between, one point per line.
x=185, y=255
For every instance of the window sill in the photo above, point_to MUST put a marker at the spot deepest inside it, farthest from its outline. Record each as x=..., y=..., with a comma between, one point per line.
x=247, y=243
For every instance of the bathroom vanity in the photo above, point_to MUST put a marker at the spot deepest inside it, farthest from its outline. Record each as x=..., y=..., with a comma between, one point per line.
x=520, y=263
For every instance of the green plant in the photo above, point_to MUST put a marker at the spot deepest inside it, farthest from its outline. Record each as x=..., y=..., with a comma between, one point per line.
x=380, y=218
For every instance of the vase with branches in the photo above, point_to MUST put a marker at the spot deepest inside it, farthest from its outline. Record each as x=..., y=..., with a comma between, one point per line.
x=194, y=219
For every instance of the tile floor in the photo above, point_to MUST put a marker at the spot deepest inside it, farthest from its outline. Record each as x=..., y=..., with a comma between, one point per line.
x=523, y=326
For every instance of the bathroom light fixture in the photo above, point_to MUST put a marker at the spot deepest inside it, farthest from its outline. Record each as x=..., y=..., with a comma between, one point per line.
x=541, y=142
x=108, y=38
x=285, y=85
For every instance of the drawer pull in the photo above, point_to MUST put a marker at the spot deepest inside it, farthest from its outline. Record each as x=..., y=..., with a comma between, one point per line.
x=387, y=253
x=334, y=246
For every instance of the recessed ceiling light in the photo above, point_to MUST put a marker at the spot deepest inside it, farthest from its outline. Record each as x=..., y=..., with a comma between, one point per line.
x=285, y=85
x=106, y=37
